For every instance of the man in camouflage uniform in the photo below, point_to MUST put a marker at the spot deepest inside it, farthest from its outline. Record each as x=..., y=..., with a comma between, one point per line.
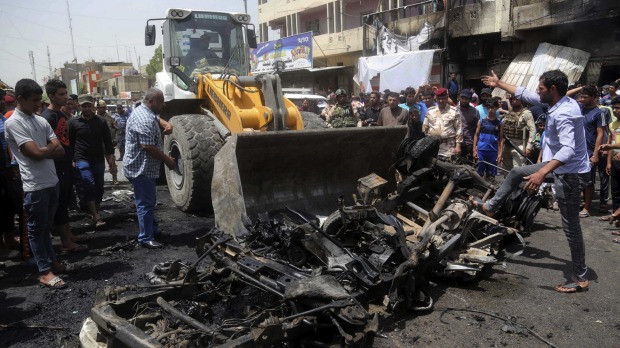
x=518, y=125
x=342, y=114
x=113, y=126
x=444, y=122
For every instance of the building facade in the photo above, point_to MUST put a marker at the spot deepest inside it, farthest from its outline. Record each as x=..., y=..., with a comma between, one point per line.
x=471, y=36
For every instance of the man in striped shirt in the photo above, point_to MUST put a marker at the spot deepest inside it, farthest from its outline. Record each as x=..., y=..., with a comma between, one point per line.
x=143, y=154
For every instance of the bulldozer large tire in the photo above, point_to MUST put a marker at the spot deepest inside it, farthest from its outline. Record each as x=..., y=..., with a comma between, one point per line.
x=196, y=141
x=312, y=120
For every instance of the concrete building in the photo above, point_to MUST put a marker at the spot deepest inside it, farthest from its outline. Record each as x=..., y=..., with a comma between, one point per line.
x=122, y=86
x=471, y=36
x=104, y=78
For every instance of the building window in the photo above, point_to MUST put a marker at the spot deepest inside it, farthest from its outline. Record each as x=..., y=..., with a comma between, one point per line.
x=313, y=26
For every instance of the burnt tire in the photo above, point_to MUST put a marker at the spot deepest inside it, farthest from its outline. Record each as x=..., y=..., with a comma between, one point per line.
x=333, y=223
x=194, y=142
x=423, y=151
x=312, y=120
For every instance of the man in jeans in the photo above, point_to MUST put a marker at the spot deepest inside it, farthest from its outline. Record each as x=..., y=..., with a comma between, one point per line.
x=142, y=159
x=34, y=145
x=564, y=155
x=87, y=133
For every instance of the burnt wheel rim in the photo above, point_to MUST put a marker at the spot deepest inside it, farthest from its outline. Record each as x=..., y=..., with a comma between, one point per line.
x=177, y=174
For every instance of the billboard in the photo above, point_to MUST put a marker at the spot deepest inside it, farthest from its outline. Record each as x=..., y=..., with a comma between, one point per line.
x=295, y=51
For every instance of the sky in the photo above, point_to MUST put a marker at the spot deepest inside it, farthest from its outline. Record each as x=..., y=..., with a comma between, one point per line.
x=104, y=30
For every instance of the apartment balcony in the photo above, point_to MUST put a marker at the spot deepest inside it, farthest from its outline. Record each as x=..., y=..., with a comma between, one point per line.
x=274, y=10
x=347, y=41
x=477, y=19
x=532, y=14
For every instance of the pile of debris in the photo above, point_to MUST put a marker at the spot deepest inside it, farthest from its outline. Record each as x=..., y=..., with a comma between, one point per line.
x=289, y=281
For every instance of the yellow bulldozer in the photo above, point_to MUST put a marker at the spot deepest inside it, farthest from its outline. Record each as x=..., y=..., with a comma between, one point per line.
x=241, y=147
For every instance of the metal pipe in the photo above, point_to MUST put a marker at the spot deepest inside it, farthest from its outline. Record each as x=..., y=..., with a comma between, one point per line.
x=317, y=309
x=230, y=265
x=184, y=317
x=428, y=231
x=417, y=208
x=447, y=191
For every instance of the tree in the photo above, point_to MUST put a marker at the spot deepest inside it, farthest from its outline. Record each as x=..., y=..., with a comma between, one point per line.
x=155, y=64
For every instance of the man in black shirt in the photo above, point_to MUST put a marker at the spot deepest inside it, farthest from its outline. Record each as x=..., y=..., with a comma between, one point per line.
x=57, y=93
x=90, y=140
x=372, y=111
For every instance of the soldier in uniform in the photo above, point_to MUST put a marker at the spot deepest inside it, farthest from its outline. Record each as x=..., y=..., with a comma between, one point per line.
x=113, y=126
x=514, y=124
x=444, y=122
x=342, y=114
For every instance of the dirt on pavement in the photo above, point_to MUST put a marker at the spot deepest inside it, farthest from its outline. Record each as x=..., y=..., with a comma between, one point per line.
x=511, y=304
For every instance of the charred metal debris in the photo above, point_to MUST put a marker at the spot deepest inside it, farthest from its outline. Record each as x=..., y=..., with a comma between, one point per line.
x=291, y=281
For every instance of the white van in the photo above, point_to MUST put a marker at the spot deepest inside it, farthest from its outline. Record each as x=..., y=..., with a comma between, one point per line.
x=317, y=102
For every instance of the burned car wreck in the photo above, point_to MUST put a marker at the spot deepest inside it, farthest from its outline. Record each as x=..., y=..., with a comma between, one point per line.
x=288, y=280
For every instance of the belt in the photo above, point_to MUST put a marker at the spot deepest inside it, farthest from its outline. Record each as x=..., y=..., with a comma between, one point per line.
x=447, y=140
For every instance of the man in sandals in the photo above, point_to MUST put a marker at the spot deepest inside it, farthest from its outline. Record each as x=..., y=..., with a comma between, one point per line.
x=565, y=156
x=35, y=146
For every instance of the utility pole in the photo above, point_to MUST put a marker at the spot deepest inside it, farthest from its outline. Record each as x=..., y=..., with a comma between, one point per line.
x=77, y=67
x=49, y=61
x=34, y=73
x=118, y=56
x=71, y=32
x=245, y=4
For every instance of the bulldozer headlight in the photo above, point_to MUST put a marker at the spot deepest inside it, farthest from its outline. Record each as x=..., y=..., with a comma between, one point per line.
x=175, y=61
x=243, y=18
x=178, y=13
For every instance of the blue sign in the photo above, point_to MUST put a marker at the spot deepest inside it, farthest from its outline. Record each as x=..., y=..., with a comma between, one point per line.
x=295, y=51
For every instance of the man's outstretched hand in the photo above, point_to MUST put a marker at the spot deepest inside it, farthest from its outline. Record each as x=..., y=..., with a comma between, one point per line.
x=491, y=81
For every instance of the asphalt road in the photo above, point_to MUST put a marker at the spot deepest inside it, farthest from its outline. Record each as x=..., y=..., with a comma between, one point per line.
x=465, y=315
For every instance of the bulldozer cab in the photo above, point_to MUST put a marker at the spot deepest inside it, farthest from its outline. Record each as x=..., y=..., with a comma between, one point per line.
x=197, y=42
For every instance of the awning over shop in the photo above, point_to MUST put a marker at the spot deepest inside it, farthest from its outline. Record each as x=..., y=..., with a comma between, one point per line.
x=315, y=70
x=398, y=71
x=525, y=69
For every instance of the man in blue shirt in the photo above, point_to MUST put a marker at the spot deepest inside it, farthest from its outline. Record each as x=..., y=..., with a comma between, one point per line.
x=485, y=94
x=565, y=156
x=595, y=126
x=453, y=88
x=410, y=101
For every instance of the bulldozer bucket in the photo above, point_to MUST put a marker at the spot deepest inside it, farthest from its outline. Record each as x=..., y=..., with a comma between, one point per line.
x=303, y=170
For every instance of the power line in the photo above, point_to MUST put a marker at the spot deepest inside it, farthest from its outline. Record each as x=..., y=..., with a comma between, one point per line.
x=77, y=14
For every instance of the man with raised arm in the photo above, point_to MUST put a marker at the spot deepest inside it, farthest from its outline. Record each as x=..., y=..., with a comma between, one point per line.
x=565, y=156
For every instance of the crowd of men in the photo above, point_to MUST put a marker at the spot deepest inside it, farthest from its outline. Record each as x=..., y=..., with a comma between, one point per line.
x=581, y=124
x=55, y=148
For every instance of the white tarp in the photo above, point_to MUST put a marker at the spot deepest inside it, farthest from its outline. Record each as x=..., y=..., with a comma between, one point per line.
x=398, y=71
x=391, y=43
x=525, y=69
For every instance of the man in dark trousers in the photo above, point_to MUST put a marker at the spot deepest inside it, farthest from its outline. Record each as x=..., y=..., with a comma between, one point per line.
x=565, y=156
x=34, y=146
x=469, y=121
x=143, y=156
x=86, y=136
x=57, y=93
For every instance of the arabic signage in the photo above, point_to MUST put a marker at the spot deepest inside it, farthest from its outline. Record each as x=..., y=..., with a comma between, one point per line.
x=295, y=51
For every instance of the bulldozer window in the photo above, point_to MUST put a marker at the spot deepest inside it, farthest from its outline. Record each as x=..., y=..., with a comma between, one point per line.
x=208, y=42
